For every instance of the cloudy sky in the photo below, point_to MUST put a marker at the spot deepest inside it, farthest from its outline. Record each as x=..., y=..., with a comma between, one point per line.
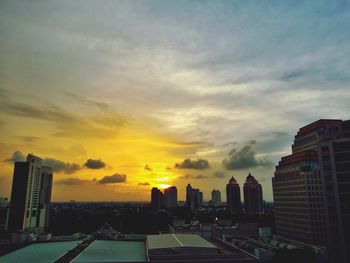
x=121, y=96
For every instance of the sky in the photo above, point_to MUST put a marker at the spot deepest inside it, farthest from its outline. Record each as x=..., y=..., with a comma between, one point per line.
x=122, y=96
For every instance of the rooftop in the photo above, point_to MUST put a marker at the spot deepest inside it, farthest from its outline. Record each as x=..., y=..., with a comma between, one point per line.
x=39, y=253
x=177, y=240
x=113, y=251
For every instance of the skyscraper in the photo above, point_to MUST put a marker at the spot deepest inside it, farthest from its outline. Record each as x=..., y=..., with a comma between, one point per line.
x=194, y=197
x=233, y=196
x=157, y=198
x=45, y=195
x=31, y=195
x=311, y=188
x=334, y=157
x=216, y=197
x=253, y=198
x=170, y=197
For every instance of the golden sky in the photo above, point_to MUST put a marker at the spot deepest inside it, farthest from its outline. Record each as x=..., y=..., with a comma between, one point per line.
x=137, y=87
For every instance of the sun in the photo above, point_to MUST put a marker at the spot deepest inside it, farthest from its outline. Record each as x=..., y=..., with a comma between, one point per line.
x=163, y=186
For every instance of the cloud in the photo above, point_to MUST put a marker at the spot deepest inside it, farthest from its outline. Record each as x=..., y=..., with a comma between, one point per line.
x=67, y=123
x=187, y=176
x=148, y=167
x=244, y=158
x=112, y=179
x=60, y=166
x=17, y=156
x=219, y=174
x=200, y=176
x=145, y=183
x=28, y=138
x=72, y=181
x=94, y=164
x=199, y=164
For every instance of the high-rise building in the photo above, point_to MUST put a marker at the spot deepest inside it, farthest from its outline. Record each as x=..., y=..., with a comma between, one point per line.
x=45, y=195
x=253, y=197
x=31, y=195
x=216, y=197
x=311, y=188
x=170, y=197
x=3, y=212
x=157, y=198
x=334, y=158
x=233, y=196
x=194, y=197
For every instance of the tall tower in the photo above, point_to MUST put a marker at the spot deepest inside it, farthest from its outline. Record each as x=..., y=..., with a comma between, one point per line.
x=216, y=197
x=157, y=198
x=31, y=195
x=253, y=198
x=45, y=196
x=233, y=196
x=170, y=197
x=311, y=188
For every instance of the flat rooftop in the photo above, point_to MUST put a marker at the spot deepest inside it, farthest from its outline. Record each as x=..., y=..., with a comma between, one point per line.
x=177, y=240
x=113, y=251
x=39, y=252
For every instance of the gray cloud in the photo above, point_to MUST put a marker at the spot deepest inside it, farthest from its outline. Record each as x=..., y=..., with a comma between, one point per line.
x=28, y=138
x=219, y=174
x=57, y=165
x=244, y=158
x=145, y=183
x=72, y=181
x=112, y=179
x=199, y=176
x=94, y=164
x=17, y=156
x=199, y=164
x=148, y=167
x=60, y=166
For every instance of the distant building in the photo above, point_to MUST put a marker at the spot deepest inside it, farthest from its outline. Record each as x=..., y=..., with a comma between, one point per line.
x=3, y=212
x=31, y=195
x=253, y=197
x=216, y=197
x=311, y=188
x=233, y=196
x=194, y=197
x=157, y=198
x=170, y=197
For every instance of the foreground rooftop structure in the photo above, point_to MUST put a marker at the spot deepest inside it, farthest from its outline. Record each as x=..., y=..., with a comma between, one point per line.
x=162, y=248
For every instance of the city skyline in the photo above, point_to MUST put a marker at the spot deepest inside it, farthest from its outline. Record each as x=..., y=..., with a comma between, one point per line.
x=125, y=96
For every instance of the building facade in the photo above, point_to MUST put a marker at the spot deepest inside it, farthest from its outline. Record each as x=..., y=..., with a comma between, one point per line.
x=216, y=197
x=233, y=196
x=311, y=188
x=253, y=196
x=170, y=197
x=157, y=199
x=31, y=196
x=194, y=197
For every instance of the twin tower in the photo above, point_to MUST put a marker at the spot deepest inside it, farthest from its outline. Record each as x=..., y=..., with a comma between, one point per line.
x=253, y=197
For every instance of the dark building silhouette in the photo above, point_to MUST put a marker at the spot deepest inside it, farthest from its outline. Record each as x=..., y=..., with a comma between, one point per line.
x=170, y=197
x=216, y=197
x=253, y=197
x=233, y=196
x=45, y=194
x=194, y=197
x=311, y=188
x=157, y=198
x=31, y=196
